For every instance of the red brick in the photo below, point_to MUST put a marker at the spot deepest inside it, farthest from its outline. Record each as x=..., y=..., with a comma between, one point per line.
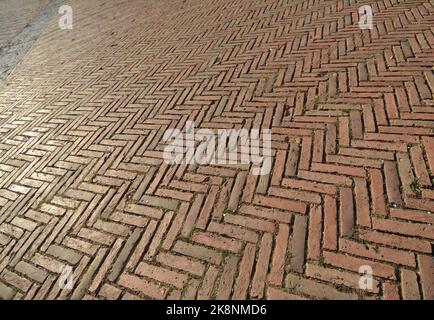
x=315, y=233
x=410, y=289
x=83, y=179
x=262, y=265
x=346, y=212
x=353, y=263
x=330, y=224
x=377, y=192
x=426, y=267
x=162, y=275
x=217, y=241
x=146, y=287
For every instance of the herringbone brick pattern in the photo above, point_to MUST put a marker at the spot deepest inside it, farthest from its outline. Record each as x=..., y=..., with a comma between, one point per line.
x=83, y=182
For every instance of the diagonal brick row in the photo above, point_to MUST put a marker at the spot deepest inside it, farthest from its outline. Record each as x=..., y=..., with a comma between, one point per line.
x=83, y=182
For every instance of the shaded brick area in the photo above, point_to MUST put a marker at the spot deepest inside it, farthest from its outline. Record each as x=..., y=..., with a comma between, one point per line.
x=83, y=182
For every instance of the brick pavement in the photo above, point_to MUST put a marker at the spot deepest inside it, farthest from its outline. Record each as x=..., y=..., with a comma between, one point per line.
x=83, y=182
x=15, y=15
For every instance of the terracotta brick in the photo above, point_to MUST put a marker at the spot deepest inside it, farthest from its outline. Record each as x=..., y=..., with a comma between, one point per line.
x=353, y=263
x=410, y=289
x=391, y=291
x=312, y=288
x=251, y=223
x=198, y=252
x=298, y=244
x=277, y=294
x=426, y=267
x=259, y=278
x=282, y=204
x=161, y=274
x=227, y=278
x=377, y=192
x=377, y=252
x=346, y=212
x=350, y=280
x=146, y=287
x=330, y=223
x=217, y=241
x=207, y=287
x=246, y=266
